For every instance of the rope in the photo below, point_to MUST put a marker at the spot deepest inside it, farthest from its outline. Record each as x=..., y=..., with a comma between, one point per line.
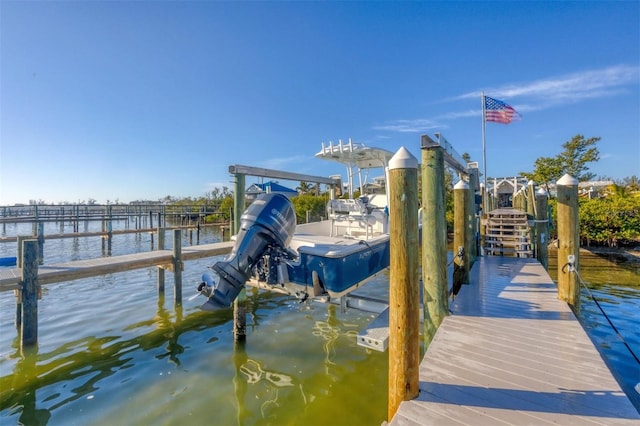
x=584, y=285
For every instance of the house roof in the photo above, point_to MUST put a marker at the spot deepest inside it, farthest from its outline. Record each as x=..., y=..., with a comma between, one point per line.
x=271, y=187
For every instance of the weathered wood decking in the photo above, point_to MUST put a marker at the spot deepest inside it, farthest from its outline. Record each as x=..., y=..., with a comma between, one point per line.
x=67, y=271
x=512, y=353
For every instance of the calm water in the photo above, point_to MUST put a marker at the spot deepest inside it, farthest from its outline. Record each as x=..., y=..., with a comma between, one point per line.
x=112, y=352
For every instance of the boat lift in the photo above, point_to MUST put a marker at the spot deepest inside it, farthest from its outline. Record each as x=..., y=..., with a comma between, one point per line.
x=375, y=336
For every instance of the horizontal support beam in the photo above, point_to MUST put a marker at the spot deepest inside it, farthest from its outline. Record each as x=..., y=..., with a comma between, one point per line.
x=451, y=156
x=277, y=174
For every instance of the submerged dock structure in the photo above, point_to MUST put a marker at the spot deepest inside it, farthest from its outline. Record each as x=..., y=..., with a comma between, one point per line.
x=512, y=353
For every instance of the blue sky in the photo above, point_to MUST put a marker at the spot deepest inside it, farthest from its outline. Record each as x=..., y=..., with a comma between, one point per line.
x=140, y=100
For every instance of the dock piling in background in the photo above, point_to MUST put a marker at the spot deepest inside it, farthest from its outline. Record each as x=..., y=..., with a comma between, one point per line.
x=531, y=213
x=461, y=247
x=240, y=304
x=40, y=243
x=404, y=292
x=472, y=227
x=161, y=234
x=434, y=240
x=29, y=293
x=542, y=228
x=568, y=241
x=177, y=267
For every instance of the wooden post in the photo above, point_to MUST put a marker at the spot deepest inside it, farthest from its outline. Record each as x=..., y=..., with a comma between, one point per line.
x=19, y=248
x=240, y=304
x=542, y=228
x=177, y=267
x=404, y=291
x=568, y=240
x=435, y=295
x=40, y=243
x=470, y=221
x=460, y=241
x=160, y=268
x=531, y=199
x=531, y=214
x=482, y=224
x=29, y=293
x=109, y=229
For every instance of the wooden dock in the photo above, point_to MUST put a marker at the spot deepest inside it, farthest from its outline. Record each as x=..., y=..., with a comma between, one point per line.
x=512, y=353
x=67, y=271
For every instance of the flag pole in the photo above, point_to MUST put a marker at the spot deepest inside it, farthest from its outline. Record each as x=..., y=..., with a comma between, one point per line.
x=484, y=158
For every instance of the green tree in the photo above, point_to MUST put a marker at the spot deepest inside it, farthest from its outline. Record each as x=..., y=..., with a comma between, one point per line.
x=304, y=188
x=576, y=154
x=316, y=206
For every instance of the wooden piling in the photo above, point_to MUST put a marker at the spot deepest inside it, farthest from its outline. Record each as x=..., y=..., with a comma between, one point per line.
x=568, y=240
x=29, y=293
x=542, y=228
x=177, y=267
x=482, y=223
x=404, y=292
x=434, y=240
x=472, y=223
x=239, y=305
x=461, y=247
x=161, y=235
x=531, y=213
x=40, y=243
x=19, y=248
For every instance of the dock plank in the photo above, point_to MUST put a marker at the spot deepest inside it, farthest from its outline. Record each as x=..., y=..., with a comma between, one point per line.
x=512, y=353
x=68, y=271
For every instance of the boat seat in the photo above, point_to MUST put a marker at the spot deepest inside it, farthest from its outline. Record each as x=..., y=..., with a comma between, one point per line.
x=354, y=213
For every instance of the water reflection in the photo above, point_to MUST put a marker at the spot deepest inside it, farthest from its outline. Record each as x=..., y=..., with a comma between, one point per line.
x=330, y=332
x=25, y=370
x=85, y=362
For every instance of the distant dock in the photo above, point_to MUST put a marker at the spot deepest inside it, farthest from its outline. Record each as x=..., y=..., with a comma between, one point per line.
x=512, y=353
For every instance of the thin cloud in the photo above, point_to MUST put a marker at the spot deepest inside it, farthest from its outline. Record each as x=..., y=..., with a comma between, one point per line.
x=283, y=163
x=537, y=95
x=569, y=88
x=409, y=126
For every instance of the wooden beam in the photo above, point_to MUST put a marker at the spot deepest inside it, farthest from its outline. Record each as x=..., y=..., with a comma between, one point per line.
x=277, y=174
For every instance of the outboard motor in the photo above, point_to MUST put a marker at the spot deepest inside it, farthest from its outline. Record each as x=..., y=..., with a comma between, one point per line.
x=268, y=223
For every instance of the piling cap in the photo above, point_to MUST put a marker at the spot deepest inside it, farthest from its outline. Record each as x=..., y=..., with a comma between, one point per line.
x=567, y=180
x=541, y=192
x=531, y=183
x=461, y=185
x=403, y=159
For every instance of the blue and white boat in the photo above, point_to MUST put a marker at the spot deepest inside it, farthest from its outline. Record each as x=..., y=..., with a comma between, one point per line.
x=329, y=258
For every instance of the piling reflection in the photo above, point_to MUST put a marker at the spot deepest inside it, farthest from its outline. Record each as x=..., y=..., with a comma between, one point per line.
x=25, y=370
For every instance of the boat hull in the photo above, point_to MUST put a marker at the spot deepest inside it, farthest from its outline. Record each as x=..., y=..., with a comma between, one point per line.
x=340, y=269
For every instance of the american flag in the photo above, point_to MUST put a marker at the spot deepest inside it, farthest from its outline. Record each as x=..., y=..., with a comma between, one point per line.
x=499, y=112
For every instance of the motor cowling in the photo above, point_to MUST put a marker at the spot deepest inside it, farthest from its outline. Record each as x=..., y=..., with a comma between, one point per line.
x=269, y=221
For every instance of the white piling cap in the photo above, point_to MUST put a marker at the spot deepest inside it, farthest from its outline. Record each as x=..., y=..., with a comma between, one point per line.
x=403, y=159
x=531, y=183
x=461, y=185
x=541, y=192
x=567, y=180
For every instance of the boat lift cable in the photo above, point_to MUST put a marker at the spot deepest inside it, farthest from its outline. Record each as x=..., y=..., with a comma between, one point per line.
x=571, y=267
